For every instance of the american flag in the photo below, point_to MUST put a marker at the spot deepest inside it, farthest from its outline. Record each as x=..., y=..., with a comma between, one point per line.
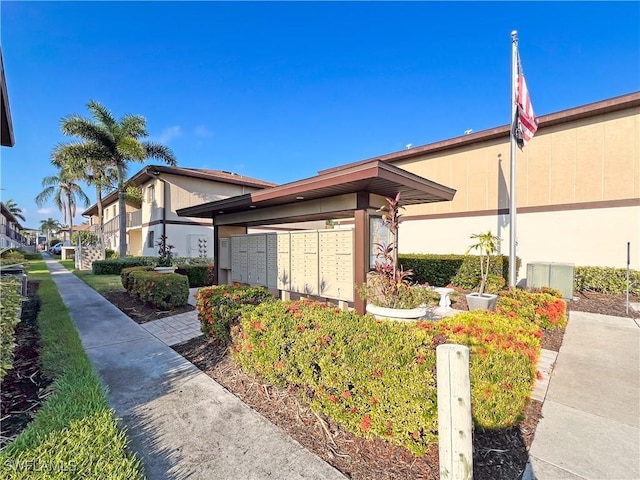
x=526, y=122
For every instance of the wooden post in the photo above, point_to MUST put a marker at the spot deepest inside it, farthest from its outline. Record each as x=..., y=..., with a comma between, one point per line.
x=454, y=412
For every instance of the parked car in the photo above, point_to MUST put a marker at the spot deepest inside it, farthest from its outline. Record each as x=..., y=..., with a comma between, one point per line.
x=57, y=248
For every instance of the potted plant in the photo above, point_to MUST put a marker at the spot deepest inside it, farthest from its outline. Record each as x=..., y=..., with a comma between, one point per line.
x=487, y=245
x=388, y=291
x=165, y=256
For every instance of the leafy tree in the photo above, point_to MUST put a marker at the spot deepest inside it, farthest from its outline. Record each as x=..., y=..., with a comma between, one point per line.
x=65, y=193
x=113, y=144
x=15, y=210
x=49, y=225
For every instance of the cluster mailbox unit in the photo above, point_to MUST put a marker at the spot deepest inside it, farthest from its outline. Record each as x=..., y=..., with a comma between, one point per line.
x=311, y=262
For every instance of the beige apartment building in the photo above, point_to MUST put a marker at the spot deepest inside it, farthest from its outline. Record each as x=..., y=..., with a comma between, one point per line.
x=164, y=190
x=577, y=194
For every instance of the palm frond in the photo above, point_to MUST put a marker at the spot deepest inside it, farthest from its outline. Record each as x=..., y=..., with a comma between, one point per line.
x=131, y=149
x=160, y=152
x=134, y=126
x=102, y=114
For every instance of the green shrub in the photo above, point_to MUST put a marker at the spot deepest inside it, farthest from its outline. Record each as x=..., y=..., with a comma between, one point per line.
x=468, y=276
x=608, y=280
x=13, y=255
x=219, y=306
x=545, y=308
x=10, y=299
x=115, y=266
x=377, y=378
x=110, y=254
x=495, y=284
x=193, y=260
x=459, y=270
x=124, y=275
x=32, y=256
x=199, y=275
x=164, y=290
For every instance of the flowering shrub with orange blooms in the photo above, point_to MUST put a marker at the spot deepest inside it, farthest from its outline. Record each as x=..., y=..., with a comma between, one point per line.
x=377, y=378
x=220, y=306
x=164, y=290
x=545, y=308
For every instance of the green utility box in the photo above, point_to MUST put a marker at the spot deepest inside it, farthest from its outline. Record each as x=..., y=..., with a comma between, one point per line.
x=551, y=274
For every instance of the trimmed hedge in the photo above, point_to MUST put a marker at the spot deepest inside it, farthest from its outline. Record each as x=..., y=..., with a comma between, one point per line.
x=199, y=275
x=115, y=266
x=124, y=275
x=10, y=299
x=459, y=270
x=378, y=378
x=606, y=280
x=164, y=290
x=220, y=306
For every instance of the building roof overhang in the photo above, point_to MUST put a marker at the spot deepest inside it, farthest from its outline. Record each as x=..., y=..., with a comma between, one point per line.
x=150, y=172
x=374, y=177
x=6, y=125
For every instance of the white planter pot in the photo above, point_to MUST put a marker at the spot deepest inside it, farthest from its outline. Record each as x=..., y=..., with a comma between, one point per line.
x=165, y=269
x=485, y=302
x=398, y=314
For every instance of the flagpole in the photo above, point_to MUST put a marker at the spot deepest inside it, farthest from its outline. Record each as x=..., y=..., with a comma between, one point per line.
x=512, y=189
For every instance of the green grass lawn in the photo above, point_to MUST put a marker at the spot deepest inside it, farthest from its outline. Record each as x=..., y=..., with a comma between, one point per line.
x=100, y=283
x=75, y=434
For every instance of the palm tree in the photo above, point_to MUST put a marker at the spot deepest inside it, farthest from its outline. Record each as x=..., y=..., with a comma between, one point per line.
x=47, y=226
x=15, y=210
x=114, y=143
x=65, y=193
x=81, y=159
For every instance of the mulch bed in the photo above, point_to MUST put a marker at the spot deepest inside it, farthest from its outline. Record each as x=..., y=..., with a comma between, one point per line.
x=140, y=311
x=24, y=388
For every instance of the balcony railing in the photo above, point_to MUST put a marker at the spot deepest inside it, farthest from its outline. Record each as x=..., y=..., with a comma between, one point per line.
x=134, y=219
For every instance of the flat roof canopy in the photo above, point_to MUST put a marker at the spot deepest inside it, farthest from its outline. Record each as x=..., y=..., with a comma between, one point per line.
x=309, y=199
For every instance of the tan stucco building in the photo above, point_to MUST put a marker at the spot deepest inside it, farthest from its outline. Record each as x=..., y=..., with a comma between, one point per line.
x=165, y=190
x=577, y=194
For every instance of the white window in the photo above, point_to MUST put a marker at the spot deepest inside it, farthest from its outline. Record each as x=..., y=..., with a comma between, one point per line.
x=151, y=193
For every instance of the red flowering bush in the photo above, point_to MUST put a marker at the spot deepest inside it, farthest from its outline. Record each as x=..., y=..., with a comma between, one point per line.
x=377, y=378
x=545, y=308
x=219, y=306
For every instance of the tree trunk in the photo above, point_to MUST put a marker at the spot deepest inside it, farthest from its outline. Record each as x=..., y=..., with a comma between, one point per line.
x=100, y=215
x=70, y=219
x=122, y=223
x=122, y=214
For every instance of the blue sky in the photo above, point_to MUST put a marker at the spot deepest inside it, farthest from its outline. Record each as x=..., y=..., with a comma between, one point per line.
x=280, y=90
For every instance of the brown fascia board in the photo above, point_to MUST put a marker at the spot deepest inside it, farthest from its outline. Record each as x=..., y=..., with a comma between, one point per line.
x=369, y=171
x=206, y=210
x=6, y=125
x=215, y=175
x=145, y=174
x=622, y=102
x=363, y=171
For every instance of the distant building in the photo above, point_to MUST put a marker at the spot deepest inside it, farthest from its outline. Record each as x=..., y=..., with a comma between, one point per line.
x=12, y=233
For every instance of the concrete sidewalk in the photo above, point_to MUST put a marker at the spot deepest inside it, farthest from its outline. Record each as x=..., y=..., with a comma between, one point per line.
x=591, y=424
x=181, y=423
